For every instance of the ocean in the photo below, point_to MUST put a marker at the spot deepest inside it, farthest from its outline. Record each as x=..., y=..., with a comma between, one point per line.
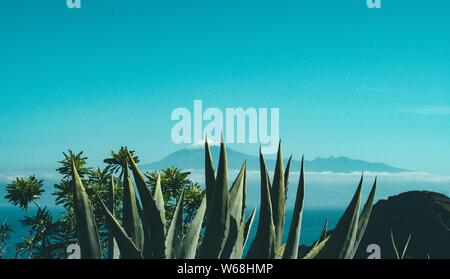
x=326, y=196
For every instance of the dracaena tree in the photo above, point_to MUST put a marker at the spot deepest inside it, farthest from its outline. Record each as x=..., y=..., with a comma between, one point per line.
x=44, y=233
x=5, y=234
x=22, y=191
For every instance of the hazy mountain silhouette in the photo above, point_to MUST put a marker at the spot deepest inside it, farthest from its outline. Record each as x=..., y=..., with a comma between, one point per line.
x=194, y=157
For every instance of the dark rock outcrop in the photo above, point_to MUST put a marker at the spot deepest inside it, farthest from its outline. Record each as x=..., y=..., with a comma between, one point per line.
x=425, y=215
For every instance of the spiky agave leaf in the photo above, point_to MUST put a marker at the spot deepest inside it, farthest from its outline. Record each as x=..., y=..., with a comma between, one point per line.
x=312, y=254
x=153, y=216
x=278, y=198
x=316, y=248
x=234, y=244
x=237, y=187
x=174, y=237
x=263, y=246
x=210, y=180
x=394, y=247
x=126, y=246
x=286, y=176
x=131, y=217
x=159, y=199
x=341, y=242
x=405, y=248
x=85, y=220
x=291, y=247
x=365, y=217
x=190, y=240
x=147, y=251
x=244, y=196
x=324, y=232
x=397, y=255
x=112, y=245
x=217, y=227
x=248, y=225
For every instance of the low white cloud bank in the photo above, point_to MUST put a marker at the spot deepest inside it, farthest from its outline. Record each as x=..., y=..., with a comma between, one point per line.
x=330, y=177
x=10, y=175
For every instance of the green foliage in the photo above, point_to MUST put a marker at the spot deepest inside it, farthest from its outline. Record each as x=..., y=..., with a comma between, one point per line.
x=174, y=238
x=22, y=192
x=345, y=238
x=128, y=249
x=397, y=255
x=278, y=198
x=235, y=240
x=165, y=216
x=118, y=159
x=190, y=241
x=44, y=236
x=263, y=246
x=131, y=213
x=154, y=221
x=291, y=248
x=85, y=220
x=5, y=234
x=78, y=160
x=218, y=224
x=172, y=182
x=165, y=200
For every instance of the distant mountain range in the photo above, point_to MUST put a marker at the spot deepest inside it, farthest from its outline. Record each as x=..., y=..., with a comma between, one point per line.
x=193, y=158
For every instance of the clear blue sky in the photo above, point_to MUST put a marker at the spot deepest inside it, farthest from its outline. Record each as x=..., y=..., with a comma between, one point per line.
x=368, y=84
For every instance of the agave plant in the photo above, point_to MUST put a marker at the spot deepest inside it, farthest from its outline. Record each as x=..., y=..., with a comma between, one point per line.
x=397, y=254
x=143, y=232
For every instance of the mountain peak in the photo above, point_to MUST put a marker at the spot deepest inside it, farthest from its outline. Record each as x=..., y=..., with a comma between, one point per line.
x=201, y=144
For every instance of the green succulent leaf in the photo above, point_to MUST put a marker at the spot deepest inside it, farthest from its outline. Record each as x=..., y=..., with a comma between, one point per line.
x=85, y=219
x=127, y=248
x=263, y=246
x=291, y=247
x=396, y=254
x=159, y=198
x=365, y=217
x=174, y=237
x=324, y=232
x=312, y=254
x=406, y=247
x=210, y=180
x=248, y=225
x=278, y=198
x=341, y=242
x=217, y=227
x=394, y=247
x=190, y=241
x=234, y=245
x=286, y=176
x=131, y=217
x=153, y=216
x=112, y=245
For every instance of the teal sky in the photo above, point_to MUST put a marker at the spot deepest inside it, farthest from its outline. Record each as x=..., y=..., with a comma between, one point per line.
x=368, y=84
